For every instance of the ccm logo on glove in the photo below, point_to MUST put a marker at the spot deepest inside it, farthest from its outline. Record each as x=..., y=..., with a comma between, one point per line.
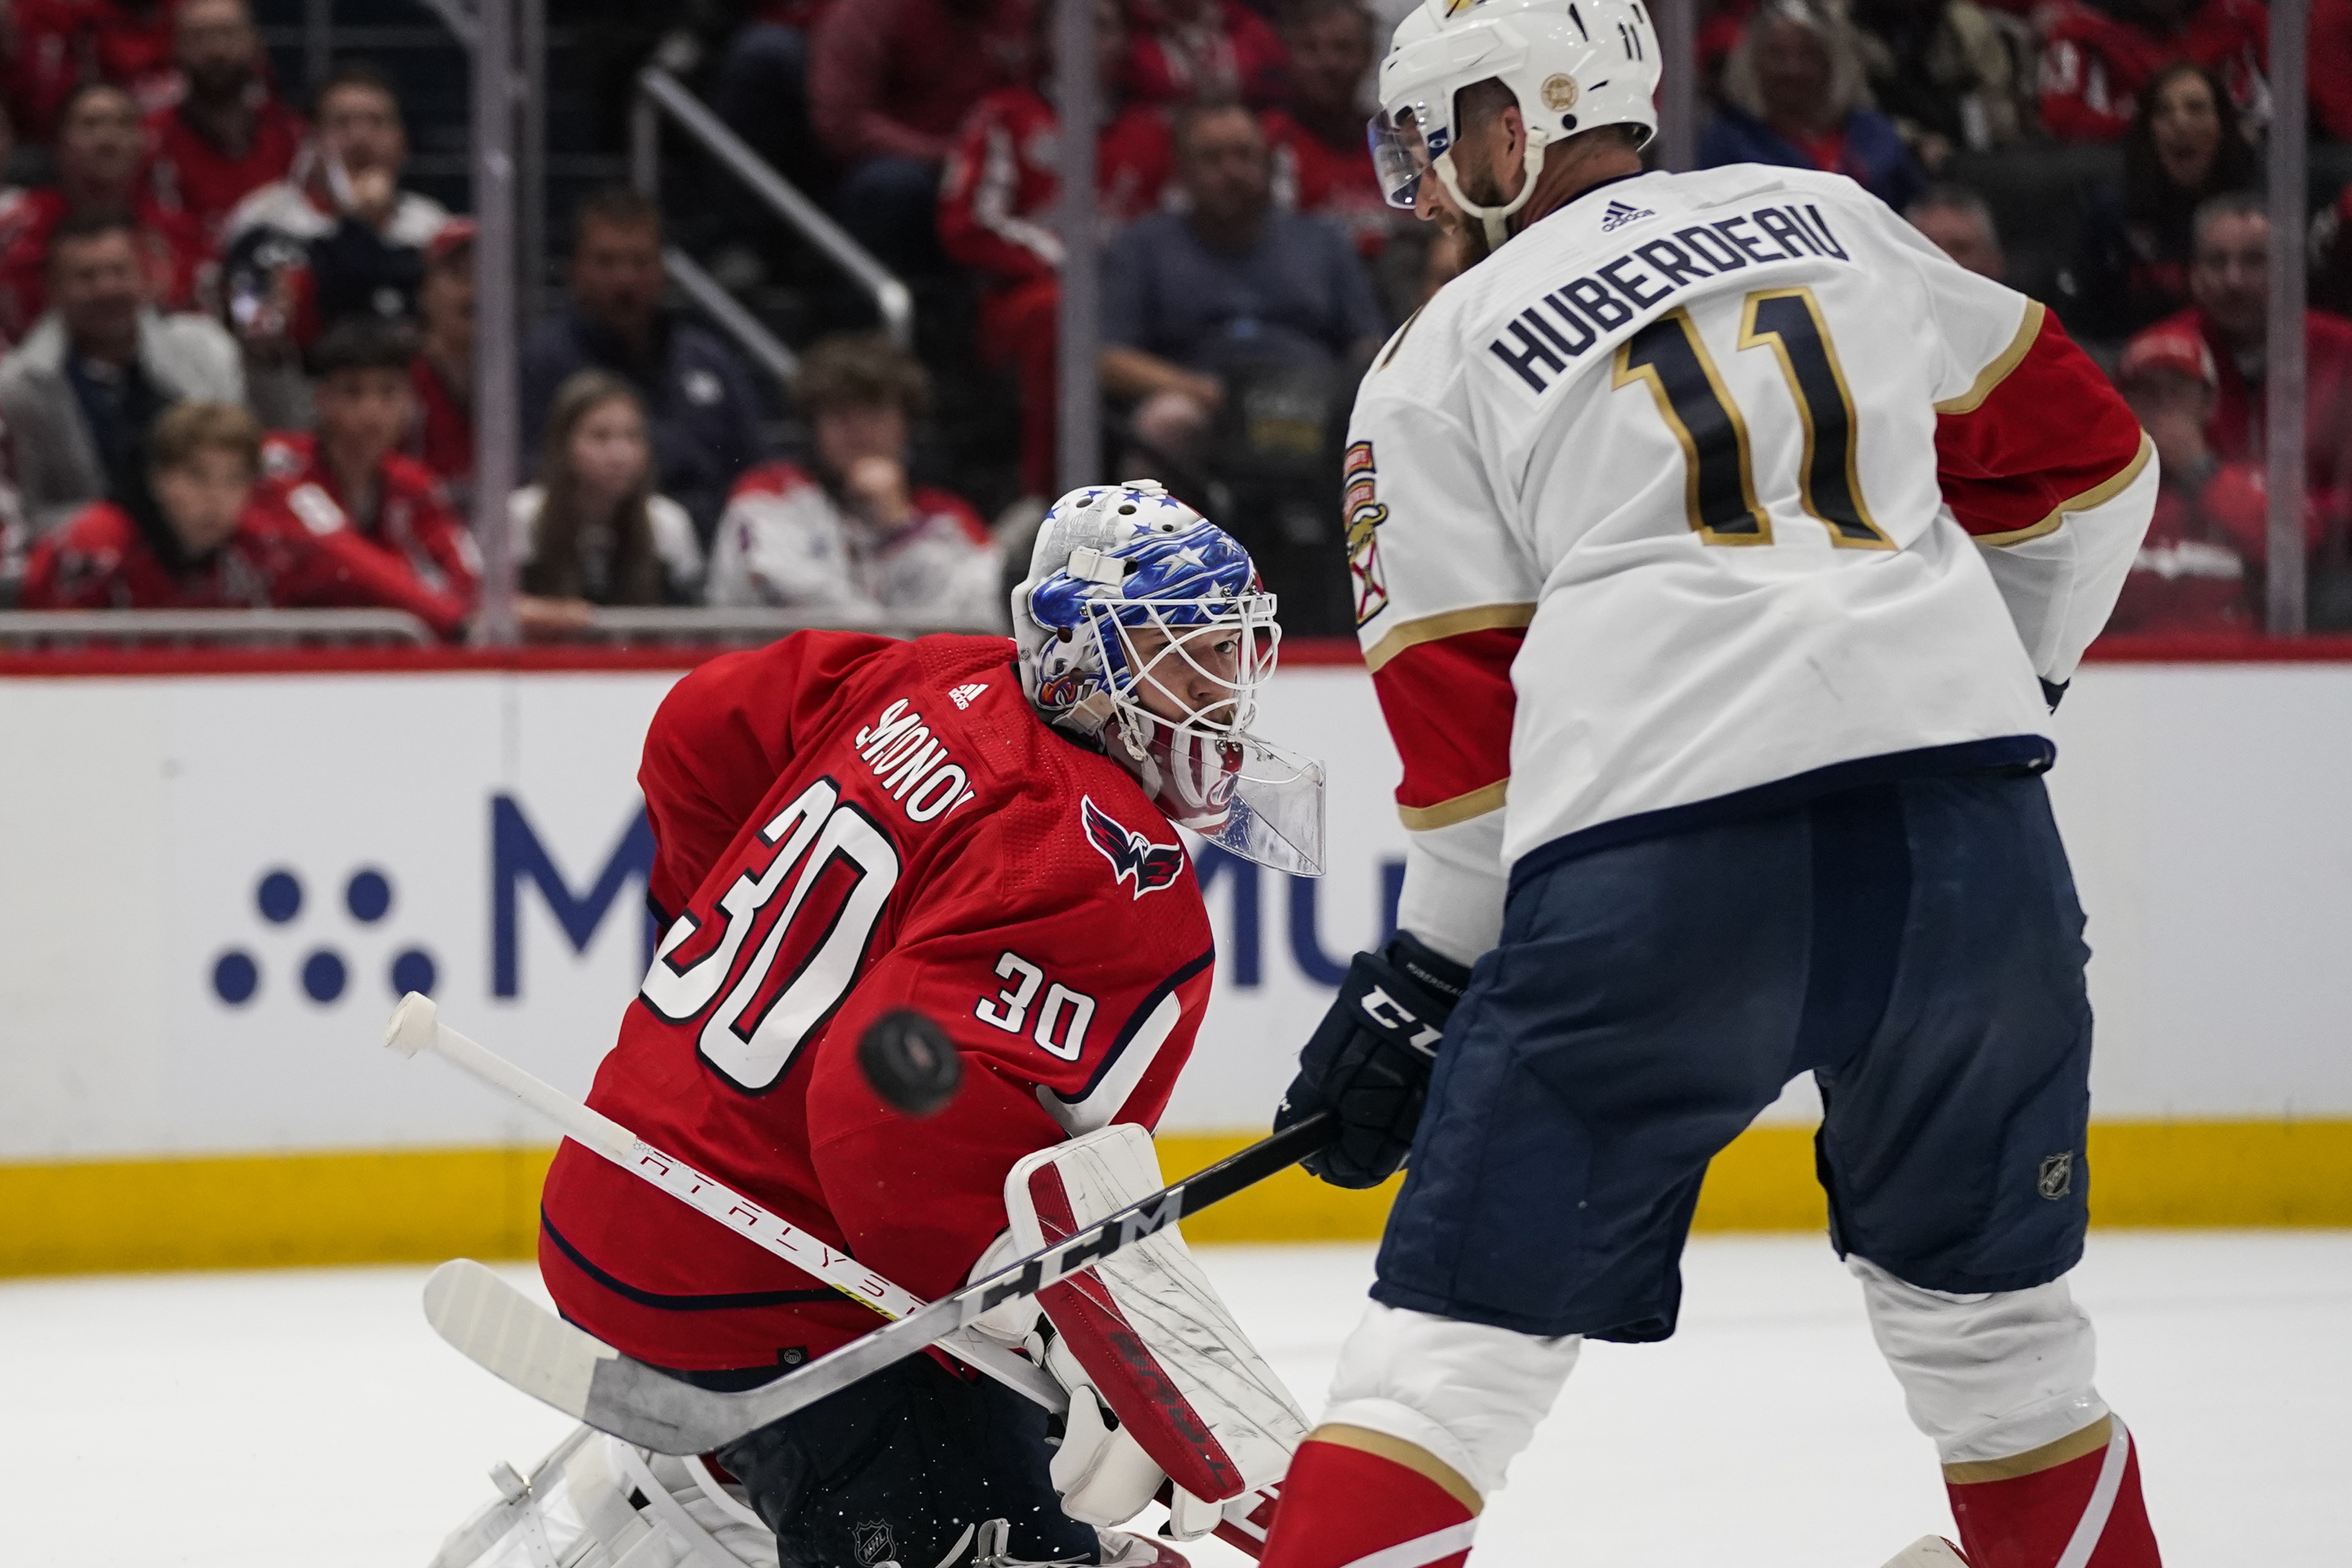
x=1398, y=1018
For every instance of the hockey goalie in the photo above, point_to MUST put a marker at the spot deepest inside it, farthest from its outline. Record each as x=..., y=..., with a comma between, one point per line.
x=983, y=831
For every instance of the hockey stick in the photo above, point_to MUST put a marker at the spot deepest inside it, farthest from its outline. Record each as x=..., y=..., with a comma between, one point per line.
x=415, y=1026
x=499, y=1329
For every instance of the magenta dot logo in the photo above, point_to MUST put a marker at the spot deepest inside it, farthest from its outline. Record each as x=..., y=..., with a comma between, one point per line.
x=318, y=971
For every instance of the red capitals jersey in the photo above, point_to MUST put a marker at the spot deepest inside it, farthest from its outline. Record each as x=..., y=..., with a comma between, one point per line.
x=182, y=270
x=411, y=525
x=848, y=825
x=187, y=172
x=1311, y=175
x=1227, y=52
x=2094, y=65
x=997, y=197
x=441, y=436
x=102, y=560
x=129, y=45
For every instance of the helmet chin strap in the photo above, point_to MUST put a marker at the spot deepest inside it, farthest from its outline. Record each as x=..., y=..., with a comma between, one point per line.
x=1494, y=218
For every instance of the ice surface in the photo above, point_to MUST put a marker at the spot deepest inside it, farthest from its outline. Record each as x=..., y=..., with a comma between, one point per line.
x=310, y=1417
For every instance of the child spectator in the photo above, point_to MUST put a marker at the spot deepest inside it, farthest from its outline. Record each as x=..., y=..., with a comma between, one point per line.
x=351, y=476
x=889, y=81
x=1794, y=96
x=856, y=534
x=593, y=532
x=99, y=148
x=1947, y=72
x=2185, y=148
x=705, y=412
x=441, y=433
x=1202, y=51
x=1322, y=164
x=997, y=217
x=229, y=135
x=2098, y=61
x=2191, y=574
x=196, y=536
x=337, y=237
x=80, y=393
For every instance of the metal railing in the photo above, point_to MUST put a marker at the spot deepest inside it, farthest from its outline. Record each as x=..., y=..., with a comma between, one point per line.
x=661, y=94
x=753, y=625
x=250, y=628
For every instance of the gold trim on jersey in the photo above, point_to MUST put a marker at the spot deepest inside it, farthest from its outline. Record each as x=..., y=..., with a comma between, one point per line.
x=2048, y=1456
x=2097, y=495
x=1749, y=337
x=1397, y=343
x=1624, y=372
x=1437, y=628
x=1396, y=1451
x=1461, y=808
x=2007, y=360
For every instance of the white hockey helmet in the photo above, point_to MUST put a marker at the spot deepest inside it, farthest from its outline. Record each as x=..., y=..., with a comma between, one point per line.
x=1573, y=65
x=1133, y=599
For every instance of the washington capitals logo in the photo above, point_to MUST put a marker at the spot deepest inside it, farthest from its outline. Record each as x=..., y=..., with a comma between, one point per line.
x=1131, y=854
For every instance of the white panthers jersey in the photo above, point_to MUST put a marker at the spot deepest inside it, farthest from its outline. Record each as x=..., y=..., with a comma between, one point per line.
x=1715, y=483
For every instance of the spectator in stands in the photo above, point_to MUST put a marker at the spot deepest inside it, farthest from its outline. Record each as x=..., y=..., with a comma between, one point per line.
x=43, y=64
x=2185, y=148
x=593, y=532
x=762, y=91
x=130, y=43
x=1322, y=162
x=1947, y=73
x=1202, y=51
x=997, y=218
x=100, y=146
x=2196, y=568
x=229, y=135
x=79, y=396
x=703, y=410
x=351, y=475
x=1794, y=95
x=1959, y=223
x=441, y=433
x=853, y=533
x=891, y=80
x=194, y=535
x=1190, y=297
x=2330, y=51
x=2100, y=59
x=2229, y=279
x=337, y=237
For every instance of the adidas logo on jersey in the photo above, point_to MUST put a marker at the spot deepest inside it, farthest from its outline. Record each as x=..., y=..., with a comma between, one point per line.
x=962, y=695
x=1619, y=214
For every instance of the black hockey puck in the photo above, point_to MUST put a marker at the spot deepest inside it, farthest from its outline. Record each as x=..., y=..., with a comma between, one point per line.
x=910, y=1062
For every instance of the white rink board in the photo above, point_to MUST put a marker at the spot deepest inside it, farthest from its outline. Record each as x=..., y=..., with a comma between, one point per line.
x=138, y=816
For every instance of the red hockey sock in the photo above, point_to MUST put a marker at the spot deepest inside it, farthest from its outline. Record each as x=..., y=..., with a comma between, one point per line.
x=2076, y=1501
x=1351, y=1493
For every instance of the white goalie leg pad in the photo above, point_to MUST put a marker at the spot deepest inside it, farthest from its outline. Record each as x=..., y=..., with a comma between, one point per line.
x=1150, y=1337
x=1467, y=1392
x=596, y=1502
x=1987, y=1376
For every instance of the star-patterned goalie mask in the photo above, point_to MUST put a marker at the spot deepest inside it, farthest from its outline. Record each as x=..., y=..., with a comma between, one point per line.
x=1144, y=625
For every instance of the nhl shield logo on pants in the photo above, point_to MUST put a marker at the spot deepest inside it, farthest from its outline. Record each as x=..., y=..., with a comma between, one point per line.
x=2056, y=1177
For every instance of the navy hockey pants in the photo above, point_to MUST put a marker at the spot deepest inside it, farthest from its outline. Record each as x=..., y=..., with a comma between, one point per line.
x=1917, y=945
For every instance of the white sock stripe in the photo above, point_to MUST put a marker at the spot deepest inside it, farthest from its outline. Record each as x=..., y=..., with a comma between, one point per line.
x=1422, y=1550
x=2094, y=1522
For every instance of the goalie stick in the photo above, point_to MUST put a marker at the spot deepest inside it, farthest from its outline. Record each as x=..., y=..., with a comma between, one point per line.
x=416, y=1027
x=501, y=1330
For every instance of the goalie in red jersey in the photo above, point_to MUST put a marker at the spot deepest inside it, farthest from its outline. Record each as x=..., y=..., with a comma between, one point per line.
x=981, y=830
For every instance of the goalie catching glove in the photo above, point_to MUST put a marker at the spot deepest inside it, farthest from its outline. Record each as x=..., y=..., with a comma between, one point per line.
x=1164, y=1386
x=1370, y=1059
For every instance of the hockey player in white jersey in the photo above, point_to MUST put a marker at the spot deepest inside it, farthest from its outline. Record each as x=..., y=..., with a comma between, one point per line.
x=1718, y=549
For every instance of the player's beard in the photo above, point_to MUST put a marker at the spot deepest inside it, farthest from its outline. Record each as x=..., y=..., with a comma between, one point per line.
x=1481, y=189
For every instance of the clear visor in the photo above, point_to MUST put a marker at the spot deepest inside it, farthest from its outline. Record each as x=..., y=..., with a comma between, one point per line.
x=1246, y=795
x=1402, y=151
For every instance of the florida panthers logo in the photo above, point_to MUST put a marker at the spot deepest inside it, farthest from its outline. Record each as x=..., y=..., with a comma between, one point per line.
x=1131, y=854
x=1365, y=515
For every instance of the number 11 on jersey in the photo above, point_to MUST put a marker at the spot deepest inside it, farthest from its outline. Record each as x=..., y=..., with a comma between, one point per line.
x=1670, y=358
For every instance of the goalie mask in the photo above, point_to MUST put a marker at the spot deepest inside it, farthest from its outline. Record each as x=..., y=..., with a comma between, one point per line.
x=1573, y=65
x=1143, y=626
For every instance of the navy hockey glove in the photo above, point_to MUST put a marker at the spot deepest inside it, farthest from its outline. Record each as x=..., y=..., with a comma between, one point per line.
x=1370, y=1060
